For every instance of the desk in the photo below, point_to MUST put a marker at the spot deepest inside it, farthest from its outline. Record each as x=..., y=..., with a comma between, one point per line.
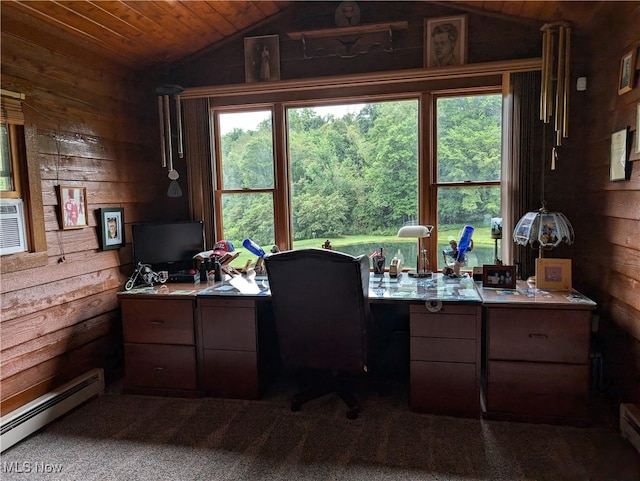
x=537, y=362
x=220, y=335
x=531, y=362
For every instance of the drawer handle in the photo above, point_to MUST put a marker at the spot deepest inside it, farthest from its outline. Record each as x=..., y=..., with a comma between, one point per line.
x=156, y=323
x=538, y=336
x=159, y=368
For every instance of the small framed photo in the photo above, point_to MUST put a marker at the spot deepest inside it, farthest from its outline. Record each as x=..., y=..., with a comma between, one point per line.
x=553, y=274
x=111, y=228
x=73, y=207
x=262, y=58
x=445, y=41
x=499, y=276
x=627, y=71
x=618, y=165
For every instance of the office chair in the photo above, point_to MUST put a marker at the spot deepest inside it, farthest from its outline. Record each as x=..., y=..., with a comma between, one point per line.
x=321, y=312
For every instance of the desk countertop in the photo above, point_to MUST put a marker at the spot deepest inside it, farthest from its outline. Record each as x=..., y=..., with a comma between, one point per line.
x=381, y=287
x=525, y=295
x=384, y=288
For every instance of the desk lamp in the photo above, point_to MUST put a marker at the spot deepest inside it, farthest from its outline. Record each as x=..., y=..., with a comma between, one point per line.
x=422, y=262
x=496, y=234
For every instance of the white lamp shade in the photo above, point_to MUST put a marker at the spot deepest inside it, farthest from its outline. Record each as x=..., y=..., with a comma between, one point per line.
x=419, y=231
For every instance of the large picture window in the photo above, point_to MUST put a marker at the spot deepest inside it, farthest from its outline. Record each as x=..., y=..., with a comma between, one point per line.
x=352, y=177
x=300, y=174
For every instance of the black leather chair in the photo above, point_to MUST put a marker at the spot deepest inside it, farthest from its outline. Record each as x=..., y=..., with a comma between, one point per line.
x=322, y=319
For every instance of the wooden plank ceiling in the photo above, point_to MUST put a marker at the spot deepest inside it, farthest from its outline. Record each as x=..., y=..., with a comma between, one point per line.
x=145, y=33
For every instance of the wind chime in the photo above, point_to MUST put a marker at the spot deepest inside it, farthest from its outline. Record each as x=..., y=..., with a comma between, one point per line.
x=164, y=111
x=556, y=46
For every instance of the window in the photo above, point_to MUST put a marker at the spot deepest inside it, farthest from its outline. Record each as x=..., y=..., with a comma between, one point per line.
x=11, y=149
x=20, y=179
x=416, y=153
x=468, y=171
x=352, y=177
x=245, y=182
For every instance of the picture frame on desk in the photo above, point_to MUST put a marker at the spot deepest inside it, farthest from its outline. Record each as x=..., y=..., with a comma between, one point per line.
x=111, y=228
x=553, y=274
x=499, y=276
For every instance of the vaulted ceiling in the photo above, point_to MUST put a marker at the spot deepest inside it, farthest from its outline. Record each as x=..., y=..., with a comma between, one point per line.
x=148, y=33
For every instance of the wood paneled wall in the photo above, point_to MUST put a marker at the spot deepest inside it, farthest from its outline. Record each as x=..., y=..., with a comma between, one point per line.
x=606, y=214
x=91, y=123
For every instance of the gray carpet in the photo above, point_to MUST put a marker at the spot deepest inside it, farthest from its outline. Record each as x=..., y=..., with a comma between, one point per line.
x=123, y=437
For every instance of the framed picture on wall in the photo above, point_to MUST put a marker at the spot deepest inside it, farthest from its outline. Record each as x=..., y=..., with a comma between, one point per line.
x=445, y=41
x=627, y=71
x=262, y=58
x=553, y=274
x=111, y=228
x=618, y=168
x=73, y=207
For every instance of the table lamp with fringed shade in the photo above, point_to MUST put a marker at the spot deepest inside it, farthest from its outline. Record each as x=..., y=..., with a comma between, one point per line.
x=420, y=232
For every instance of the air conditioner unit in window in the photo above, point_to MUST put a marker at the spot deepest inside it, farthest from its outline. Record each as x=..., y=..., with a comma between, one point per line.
x=12, y=233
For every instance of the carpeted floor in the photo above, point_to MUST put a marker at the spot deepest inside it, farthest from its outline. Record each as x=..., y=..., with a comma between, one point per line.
x=124, y=437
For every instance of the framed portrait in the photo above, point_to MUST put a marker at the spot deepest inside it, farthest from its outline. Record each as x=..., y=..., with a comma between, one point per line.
x=111, y=228
x=73, y=207
x=553, y=274
x=499, y=276
x=262, y=58
x=627, y=71
x=445, y=41
x=618, y=165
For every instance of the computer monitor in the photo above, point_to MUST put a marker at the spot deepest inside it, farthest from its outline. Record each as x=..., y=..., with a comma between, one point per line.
x=167, y=246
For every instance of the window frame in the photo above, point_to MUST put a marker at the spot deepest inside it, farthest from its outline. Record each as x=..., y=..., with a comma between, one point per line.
x=351, y=88
x=28, y=186
x=434, y=183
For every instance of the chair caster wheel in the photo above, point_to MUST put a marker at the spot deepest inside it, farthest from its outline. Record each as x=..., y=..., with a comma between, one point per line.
x=353, y=413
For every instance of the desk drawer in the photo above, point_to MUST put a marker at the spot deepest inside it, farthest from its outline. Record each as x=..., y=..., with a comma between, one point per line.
x=538, y=389
x=544, y=335
x=434, y=349
x=445, y=388
x=158, y=321
x=228, y=328
x=230, y=374
x=159, y=366
x=453, y=321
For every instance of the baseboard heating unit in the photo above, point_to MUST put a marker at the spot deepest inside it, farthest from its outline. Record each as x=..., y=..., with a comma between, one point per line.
x=27, y=419
x=630, y=423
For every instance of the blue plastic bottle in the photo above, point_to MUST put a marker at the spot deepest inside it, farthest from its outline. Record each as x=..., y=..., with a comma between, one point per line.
x=252, y=247
x=465, y=242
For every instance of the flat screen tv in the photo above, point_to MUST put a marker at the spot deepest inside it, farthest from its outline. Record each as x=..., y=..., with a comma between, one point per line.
x=167, y=246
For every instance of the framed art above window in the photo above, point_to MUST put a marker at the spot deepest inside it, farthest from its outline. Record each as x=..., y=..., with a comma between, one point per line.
x=445, y=41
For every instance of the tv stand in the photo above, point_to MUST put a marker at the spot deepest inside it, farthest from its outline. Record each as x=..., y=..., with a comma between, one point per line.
x=183, y=276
